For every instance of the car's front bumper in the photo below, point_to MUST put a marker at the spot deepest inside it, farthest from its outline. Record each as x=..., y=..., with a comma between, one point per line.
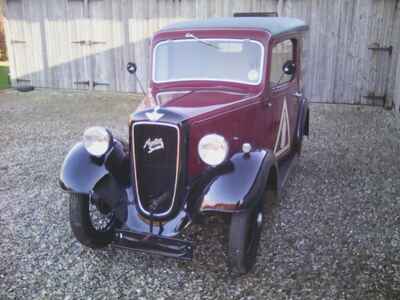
x=154, y=244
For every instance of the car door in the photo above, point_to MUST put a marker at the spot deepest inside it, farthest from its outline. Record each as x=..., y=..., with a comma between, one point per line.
x=282, y=95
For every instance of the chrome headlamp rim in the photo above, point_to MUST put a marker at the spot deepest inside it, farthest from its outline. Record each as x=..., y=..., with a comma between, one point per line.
x=225, y=148
x=97, y=140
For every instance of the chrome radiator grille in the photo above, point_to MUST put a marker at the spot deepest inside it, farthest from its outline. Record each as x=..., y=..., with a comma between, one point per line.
x=156, y=164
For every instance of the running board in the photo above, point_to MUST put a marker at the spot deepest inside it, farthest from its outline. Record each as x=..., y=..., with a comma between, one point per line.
x=285, y=168
x=154, y=244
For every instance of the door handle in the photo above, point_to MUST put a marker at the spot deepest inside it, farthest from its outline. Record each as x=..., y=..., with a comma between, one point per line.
x=298, y=94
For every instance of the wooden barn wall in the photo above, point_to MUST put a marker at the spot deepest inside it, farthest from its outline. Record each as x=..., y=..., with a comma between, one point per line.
x=3, y=48
x=397, y=87
x=2, y=40
x=86, y=44
x=395, y=74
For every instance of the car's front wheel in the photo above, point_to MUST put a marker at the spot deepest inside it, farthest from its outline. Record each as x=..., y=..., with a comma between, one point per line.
x=244, y=238
x=93, y=227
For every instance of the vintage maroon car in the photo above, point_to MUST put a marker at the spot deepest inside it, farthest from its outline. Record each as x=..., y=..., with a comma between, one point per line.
x=217, y=132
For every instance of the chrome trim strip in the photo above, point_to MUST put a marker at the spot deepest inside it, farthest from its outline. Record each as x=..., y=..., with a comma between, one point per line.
x=177, y=165
x=209, y=79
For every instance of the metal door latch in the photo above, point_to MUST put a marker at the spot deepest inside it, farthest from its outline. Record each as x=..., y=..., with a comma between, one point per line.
x=377, y=47
x=372, y=96
x=87, y=82
x=88, y=43
x=17, y=42
x=91, y=43
x=96, y=83
x=79, y=42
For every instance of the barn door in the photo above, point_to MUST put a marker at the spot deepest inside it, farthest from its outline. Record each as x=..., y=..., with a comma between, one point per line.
x=58, y=44
x=379, y=55
x=102, y=63
x=25, y=42
x=79, y=35
x=360, y=55
x=18, y=46
x=91, y=37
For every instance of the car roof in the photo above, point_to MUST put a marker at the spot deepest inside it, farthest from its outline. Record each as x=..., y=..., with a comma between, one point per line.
x=274, y=25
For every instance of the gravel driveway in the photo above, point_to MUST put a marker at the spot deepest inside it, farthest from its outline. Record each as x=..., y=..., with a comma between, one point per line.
x=335, y=234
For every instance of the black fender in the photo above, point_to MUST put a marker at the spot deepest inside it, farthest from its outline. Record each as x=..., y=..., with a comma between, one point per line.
x=80, y=171
x=104, y=178
x=242, y=187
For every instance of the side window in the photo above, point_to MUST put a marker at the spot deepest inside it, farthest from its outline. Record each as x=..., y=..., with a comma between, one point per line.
x=281, y=53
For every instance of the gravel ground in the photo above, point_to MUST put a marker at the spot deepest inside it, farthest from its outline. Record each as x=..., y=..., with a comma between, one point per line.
x=335, y=234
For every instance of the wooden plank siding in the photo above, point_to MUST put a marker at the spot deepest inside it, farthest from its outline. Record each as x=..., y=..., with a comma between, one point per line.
x=337, y=63
x=396, y=86
x=394, y=83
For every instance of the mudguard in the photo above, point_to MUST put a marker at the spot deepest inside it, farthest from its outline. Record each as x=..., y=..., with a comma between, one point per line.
x=241, y=188
x=80, y=171
x=302, y=119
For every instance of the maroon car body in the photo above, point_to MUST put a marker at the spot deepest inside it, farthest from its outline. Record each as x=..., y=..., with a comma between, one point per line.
x=161, y=182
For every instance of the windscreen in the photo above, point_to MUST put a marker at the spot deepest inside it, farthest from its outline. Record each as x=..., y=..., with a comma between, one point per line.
x=208, y=59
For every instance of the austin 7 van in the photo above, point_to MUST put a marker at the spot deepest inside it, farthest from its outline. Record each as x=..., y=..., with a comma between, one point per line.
x=217, y=132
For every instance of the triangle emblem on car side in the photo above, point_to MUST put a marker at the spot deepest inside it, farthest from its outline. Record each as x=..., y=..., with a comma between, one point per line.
x=283, y=142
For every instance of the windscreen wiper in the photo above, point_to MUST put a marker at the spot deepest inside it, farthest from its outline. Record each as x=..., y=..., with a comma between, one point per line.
x=192, y=36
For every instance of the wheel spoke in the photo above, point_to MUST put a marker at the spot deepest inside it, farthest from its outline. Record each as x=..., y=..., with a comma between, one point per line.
x=100, y=222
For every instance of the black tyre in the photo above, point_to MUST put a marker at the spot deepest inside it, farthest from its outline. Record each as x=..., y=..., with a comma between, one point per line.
x=299, y=146
x=244, y=238
x=299, y=143
x=92, y=227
